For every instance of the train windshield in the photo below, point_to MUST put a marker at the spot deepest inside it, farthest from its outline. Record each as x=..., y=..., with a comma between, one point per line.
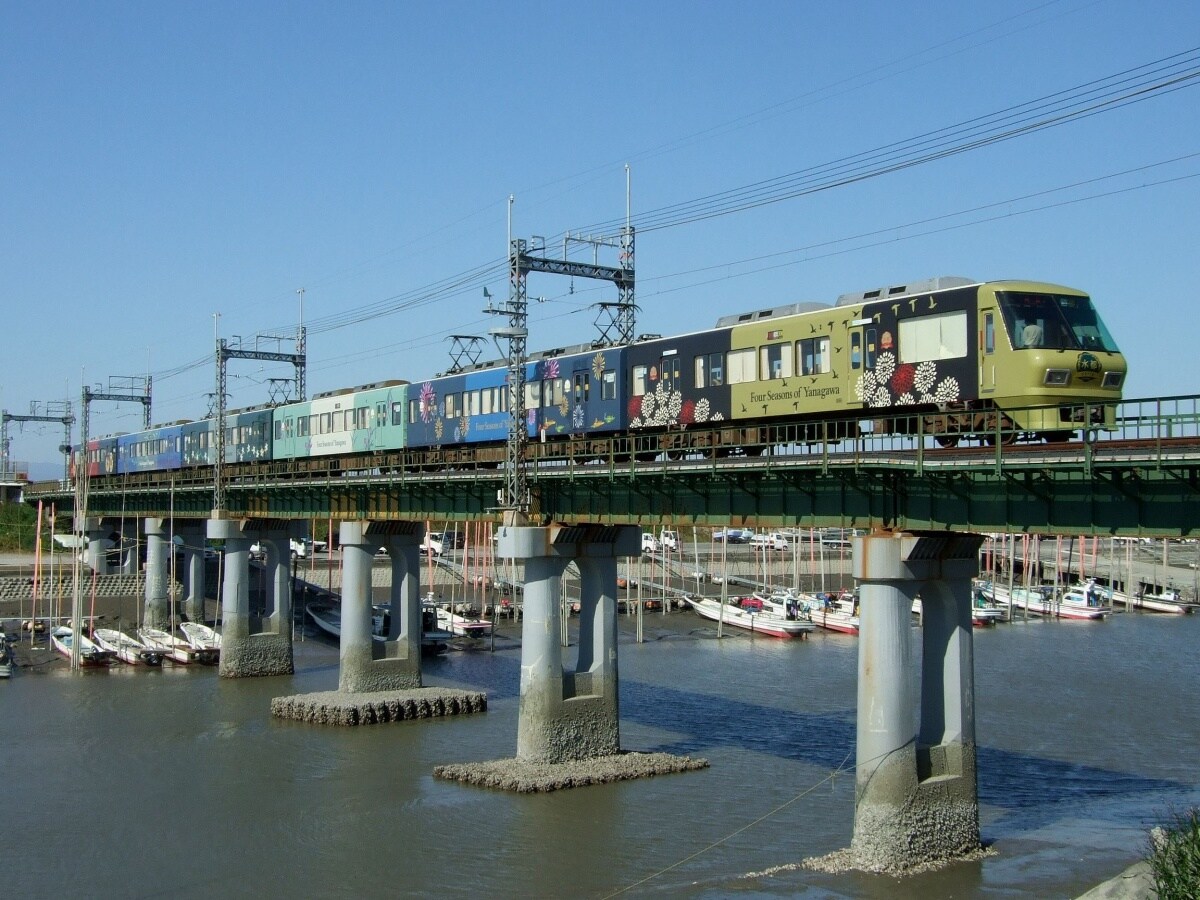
x=1054, y=322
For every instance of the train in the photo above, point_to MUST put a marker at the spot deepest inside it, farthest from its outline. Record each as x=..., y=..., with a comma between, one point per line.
x=948, y=358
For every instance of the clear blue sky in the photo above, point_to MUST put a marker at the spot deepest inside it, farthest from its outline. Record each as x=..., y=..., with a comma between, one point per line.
x=163, y=162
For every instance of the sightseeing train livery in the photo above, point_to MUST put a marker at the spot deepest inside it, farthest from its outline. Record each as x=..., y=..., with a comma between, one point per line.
x=949, y=358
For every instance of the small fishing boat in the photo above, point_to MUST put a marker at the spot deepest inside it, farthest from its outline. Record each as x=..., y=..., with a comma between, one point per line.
x=175, y=648
x=832, y=612
x=1075, y=603
x=751, y=618
x=1168, y=601
x=62, y=639
x=463, y=626
x=984, y=611
x=127, y=649
x=201, y=637
x=328, y=618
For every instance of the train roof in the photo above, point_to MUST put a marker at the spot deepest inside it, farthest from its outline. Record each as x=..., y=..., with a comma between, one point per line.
x=928, y=285
x=774, y=312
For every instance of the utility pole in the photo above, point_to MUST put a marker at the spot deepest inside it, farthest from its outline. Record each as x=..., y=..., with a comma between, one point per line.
x=53, y=411
x=224, y=354
x=515, y=500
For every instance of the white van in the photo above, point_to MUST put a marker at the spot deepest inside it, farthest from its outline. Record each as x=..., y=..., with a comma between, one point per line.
x=771, y=540
x=649, y=543
x=669, y=539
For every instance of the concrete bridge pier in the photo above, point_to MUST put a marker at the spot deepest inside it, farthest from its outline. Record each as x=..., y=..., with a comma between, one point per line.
x=379, y=681
x=916, y=799
x=97, y=552
x=568, y=726
x=247, y=649
x=569, y=715
x=157, y=612
x=395, y=663
x=192, y=536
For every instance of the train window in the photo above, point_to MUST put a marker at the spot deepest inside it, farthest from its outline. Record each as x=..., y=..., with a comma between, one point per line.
x=608, y=385
x=381, y=413
x=776, y=361
x=471, y=403
x=301, y=426
x=414, y=410
x=741, y=365
x=397, y=412
x=582, y=387
x=488, y=401
x=638, y=379
x=360, y=416
x=533, y=394
x=856, y=350
x=989, y=333
x=450, y=406
x=933, y=337
x=814, y=356
x=869, y=348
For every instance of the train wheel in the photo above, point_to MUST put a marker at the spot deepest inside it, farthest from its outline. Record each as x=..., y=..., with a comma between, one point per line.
x=946, y=440
x=1057, y=437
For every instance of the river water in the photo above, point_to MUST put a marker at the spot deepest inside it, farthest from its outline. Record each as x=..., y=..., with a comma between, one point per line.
x=177, y=783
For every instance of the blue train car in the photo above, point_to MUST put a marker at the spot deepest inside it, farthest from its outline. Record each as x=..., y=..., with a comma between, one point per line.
x=248, y=435
x=575, y=391
x=455, y=410
x=102, y=456
x=157, y=450
x=197, y=443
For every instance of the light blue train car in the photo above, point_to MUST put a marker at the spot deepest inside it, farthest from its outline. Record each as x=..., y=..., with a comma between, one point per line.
x=367, y=419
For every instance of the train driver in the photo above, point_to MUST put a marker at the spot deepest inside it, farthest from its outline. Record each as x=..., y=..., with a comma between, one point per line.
x=1031, y=335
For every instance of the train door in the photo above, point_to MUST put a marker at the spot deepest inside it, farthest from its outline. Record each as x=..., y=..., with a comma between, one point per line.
x=987, y=350
x=669, y=370
x=864, y=345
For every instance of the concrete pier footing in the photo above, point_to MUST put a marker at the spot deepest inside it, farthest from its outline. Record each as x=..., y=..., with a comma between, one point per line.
x=916, y=800
x=254, y=645
x=568, y=730
x=377, y=707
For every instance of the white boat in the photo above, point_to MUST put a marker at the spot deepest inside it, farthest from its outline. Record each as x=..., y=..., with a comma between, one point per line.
x=328, y=617
x=62, y=639
x=984, y=611
x=1075, y=603
x=1168, y=601
x=464, y=626
x=832, y=612
x=201, y=637
x=754, y=620
x=127, y=649
x=175, y=648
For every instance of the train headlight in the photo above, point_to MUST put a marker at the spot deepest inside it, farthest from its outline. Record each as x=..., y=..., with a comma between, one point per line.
x=1057, y=377
x=1113, y=379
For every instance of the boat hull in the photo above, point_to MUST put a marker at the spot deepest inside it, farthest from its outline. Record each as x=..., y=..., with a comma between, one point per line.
x=757, y=623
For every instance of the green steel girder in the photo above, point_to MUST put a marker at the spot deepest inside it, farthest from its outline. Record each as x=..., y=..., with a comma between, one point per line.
x=1138, y=498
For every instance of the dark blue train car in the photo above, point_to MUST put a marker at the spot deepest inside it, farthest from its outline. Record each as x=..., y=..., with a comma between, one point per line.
x=676, y=382
x=197, y=443
x=574, y=392
x=156, y=450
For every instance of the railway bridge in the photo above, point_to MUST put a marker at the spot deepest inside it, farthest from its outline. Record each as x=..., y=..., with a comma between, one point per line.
x=923, y=506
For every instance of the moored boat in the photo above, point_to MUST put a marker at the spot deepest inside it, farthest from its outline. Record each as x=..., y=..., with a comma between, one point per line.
x=328, y=618
x=6, y=664
x=175, y=648
x=62, y=639
x=127, y=649
x=464, y=626
x=832, y=612
x=203, y=638
x=1075, y=603
x=754, y=620
x=1168, y=601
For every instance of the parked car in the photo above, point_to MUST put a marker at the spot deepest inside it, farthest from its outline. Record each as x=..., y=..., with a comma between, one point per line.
x=649, y=543
x=733, y=535
x=437, y=542
x=772, y=540
x=669, y=539
x=302, y=548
